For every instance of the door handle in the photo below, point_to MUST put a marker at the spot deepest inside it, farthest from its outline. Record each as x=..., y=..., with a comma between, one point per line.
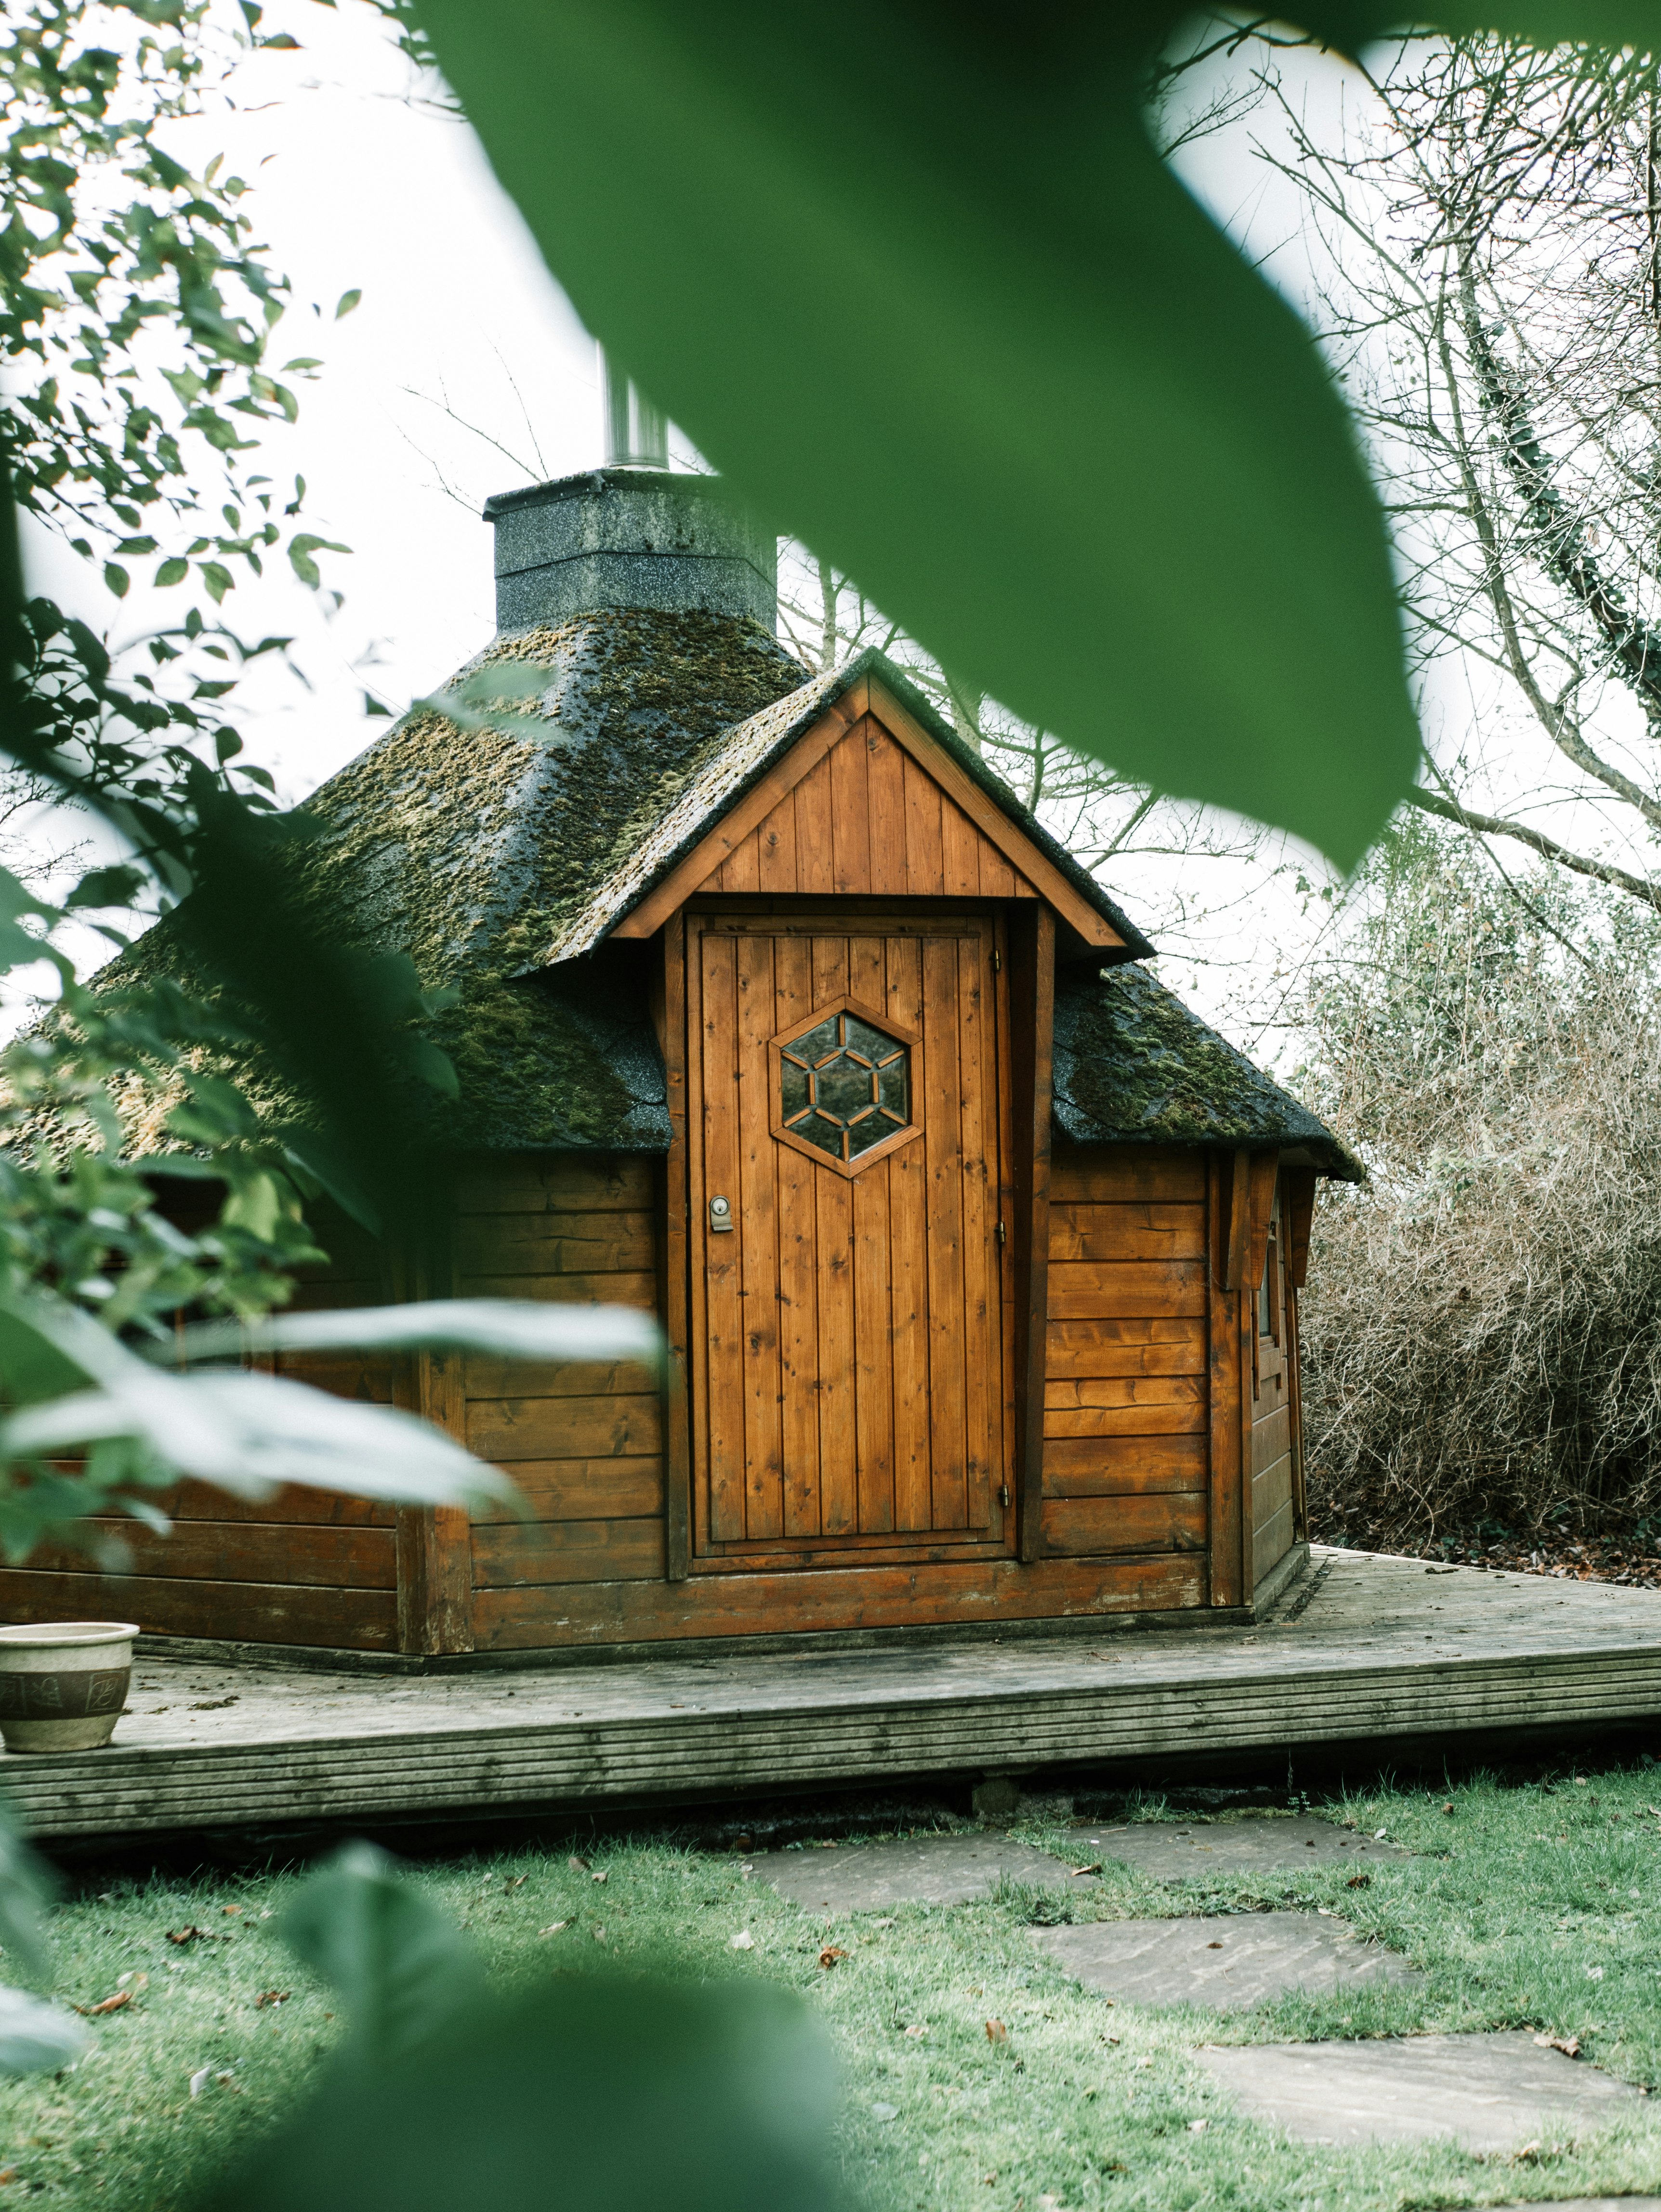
x=721, y=1216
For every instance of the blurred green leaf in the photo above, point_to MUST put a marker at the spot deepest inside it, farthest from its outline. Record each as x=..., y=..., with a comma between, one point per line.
x=348, y=301
x=402, y=1968
x=621, y=2096
x=927, y=295
x=36, y=2037
x=521, y=1328
x=27, y=1888
x=246, y=1433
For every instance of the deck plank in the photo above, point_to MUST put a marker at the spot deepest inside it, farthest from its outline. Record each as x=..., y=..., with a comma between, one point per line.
x=1364, y=1647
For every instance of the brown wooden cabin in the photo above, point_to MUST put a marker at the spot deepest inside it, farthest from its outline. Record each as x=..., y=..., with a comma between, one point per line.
x=978, y=1254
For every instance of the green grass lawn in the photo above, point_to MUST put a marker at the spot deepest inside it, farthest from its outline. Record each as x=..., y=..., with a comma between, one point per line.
x=1529, y=1907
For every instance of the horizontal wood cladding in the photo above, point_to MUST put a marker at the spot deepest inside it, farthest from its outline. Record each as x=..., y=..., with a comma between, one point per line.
x=1109, y=1290
x=235, y=1552
x=1140, y=1229
x=619, y=1427
x=508, y=1556
x=868, y=822
x=1125, y=1406
x=1115, y=1174
x=1126, y=1345
x=256, y=1612
x=582, y=1490
x=880, y=1597
x=1126, y=1395
x=1271, y=1438
x=292, y=1505
x=555, y=1182
x=1155, y=1521
x=583, y=1444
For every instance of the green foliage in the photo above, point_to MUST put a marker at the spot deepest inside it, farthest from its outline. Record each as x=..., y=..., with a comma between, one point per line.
x=635, y=2094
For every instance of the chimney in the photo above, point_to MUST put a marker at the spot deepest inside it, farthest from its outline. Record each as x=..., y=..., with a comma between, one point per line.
x=629, y=537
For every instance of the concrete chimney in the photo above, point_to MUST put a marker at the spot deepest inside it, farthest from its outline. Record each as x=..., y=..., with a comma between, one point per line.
x=628, y=538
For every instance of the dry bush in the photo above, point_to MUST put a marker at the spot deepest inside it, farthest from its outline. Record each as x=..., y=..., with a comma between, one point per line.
x=1483, y=1324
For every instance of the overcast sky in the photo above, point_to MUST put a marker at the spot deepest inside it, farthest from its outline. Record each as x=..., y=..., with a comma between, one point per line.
x=463, y=372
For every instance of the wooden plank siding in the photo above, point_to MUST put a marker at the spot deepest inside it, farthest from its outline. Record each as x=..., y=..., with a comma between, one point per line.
x=303, y=1567
x=584, y=1444
x=868, y=822
x=1269, y=1321
x=1126, y=1392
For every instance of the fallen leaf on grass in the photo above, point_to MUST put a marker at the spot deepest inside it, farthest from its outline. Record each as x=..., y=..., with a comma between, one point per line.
x=272, y=1997
x=138, y=1981
x=1594, y=1973
x=1568, y=2044
x=744, y=1941
x=832, y=1952
x=514, y=1881
x=997, y=2032
x=602, y=1876
x=553, y=1927
x=7, y=2173
x=577, y=1865
x=916, y=2033
x=194, y=1934
x=1358, y=1881
x=230, y=1908
x=1094, y=1867
x=200, y=2080
x=122, y=1998
x=1198, y=2127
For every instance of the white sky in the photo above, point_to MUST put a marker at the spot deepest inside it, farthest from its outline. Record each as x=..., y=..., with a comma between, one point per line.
x=464, y=372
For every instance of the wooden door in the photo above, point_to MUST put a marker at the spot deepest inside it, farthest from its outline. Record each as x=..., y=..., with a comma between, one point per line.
x=852, y=1376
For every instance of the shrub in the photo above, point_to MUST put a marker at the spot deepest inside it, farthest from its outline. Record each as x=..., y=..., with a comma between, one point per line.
x=1483, y=1324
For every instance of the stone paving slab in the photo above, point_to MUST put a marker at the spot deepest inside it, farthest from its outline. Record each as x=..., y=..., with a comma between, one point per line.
x=1185, y=1851
x=1227, y=1963
x=918, y=1870
x=1490, y=2093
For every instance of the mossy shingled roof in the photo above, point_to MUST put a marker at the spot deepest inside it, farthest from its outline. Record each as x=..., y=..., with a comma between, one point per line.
x=499, y=860
x=1134, y=1065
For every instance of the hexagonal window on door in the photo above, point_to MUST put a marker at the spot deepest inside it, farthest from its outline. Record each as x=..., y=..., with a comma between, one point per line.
x=844, y=1085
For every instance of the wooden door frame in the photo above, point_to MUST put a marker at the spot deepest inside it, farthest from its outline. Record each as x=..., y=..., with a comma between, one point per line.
x=685, y=1317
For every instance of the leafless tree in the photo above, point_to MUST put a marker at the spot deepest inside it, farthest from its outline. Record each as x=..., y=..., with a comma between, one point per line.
x=1486, y=233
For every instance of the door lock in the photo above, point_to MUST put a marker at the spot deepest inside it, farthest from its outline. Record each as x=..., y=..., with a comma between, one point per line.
x=721, y=1216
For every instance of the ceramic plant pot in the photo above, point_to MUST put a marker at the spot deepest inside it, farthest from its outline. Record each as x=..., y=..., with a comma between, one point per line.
x=63, y=1683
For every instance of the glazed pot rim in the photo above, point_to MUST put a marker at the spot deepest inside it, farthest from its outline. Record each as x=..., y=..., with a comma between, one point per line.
x=68, y=1634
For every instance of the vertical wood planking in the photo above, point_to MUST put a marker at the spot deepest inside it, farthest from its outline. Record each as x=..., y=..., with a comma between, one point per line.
x=1000, y=1075
x=741, y=870
x=850, y=816
x=1223, y=1370
x=1294, y=1367
x=976, y=1099
x=813, y=852
x=673, y=1294
x=960, y=873
x=1032, y=1021
x=758, y=1229
x=776, y=840
x=799, y=1261
x=839, y=1479
x=907, y=1206
x=885, y=782
x=873, y=1361
x=922, y=833
x=942, y=1139
x=997, y=879
x=722, y=1271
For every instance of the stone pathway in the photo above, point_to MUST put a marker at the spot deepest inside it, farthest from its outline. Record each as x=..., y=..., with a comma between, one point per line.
x=919, y=1870
x=1228, y=1964
x=1259, y=1844
x=1486, y=2092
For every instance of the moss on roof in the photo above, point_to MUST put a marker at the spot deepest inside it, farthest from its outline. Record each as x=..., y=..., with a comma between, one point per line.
x=1134, y=1065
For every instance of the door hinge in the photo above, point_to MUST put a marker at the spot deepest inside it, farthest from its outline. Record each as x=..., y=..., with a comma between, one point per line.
x=1003, y=1234
x=997, y=961
x=1003, y=1494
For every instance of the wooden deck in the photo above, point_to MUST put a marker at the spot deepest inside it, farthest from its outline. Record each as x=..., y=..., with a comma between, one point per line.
x=1359, y=1647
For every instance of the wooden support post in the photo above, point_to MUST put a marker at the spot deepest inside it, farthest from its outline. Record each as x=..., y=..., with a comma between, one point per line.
x=1226, y=1181
x=674, y=1260
x=1032, y=1025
